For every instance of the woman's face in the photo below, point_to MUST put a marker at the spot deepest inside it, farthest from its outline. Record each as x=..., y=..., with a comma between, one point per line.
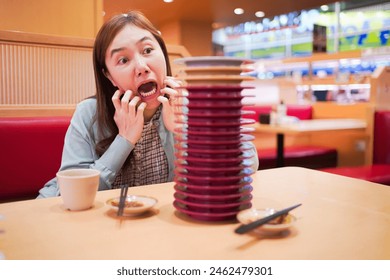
x=135, y=62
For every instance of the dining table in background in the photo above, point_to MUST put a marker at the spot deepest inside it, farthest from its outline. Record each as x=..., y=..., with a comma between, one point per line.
x=305, y=127
x=340, y=218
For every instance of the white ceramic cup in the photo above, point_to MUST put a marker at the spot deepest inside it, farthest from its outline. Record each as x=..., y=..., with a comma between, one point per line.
x=78, y=187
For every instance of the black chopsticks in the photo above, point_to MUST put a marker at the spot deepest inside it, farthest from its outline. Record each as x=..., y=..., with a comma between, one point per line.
x=248, y=227
x=122, y=199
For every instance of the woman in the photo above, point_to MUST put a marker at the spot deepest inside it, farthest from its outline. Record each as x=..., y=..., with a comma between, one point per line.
x=125, y=131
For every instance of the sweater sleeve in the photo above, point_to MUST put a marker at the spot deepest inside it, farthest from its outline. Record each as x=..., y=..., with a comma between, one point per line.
x=79, y=150
x=254, y=157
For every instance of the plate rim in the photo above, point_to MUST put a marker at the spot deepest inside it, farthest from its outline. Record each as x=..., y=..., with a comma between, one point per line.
x=138, y=210
x=183, y=60
x=267, y=227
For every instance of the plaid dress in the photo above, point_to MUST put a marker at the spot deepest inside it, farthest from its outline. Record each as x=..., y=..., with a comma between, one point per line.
x=147, y=163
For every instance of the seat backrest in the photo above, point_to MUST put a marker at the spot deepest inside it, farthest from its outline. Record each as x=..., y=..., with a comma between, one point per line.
x=381, y=152
x=30, y=154
x=302, y=112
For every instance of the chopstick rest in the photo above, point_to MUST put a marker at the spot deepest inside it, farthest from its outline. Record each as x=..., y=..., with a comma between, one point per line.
x=248, y=227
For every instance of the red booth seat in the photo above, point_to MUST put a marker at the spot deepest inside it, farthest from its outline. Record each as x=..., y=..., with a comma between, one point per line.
x=381, y=152
x=304, y=156
x=302, y=112
x=31, y=150
x=379, y=171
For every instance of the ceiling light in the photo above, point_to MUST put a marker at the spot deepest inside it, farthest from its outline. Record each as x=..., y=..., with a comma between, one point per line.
x=238, y=11
x=259, y=14
x=325, y=8
x=168, y=1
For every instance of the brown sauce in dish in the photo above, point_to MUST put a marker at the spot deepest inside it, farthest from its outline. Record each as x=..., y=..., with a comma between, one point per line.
x=283, y=219
x=279, y=220
x=128, y=204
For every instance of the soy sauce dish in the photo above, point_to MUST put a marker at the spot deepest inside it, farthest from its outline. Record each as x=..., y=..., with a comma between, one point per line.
x=134, y=204
x=271, y=228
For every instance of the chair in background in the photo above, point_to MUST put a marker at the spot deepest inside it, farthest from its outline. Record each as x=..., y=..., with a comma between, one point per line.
x=379, y=171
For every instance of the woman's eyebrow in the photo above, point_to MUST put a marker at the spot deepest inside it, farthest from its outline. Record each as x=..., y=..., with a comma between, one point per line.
x=145, y=38
x=113, y=51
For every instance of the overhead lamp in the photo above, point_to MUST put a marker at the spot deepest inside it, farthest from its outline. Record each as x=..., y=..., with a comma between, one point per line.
x=238, y=11
x=259, y=14
x=168, y=1
x=324, y=8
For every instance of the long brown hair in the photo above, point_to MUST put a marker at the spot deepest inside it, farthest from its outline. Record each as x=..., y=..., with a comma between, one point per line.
x=107, y=128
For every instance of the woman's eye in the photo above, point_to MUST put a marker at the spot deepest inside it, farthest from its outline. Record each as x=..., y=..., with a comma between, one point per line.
x=148, y=50
x=122, y=60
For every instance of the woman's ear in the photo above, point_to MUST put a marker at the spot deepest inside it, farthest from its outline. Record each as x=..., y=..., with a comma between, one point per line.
x=108, y=76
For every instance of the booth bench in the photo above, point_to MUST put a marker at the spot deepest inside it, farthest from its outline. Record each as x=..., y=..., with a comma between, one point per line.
x=379, y=171
x=31, y=150
x=308, y=156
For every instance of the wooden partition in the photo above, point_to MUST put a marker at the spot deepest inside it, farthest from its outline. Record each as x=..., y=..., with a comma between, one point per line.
x=380, y=88
x=356, y=148
x=44, y=75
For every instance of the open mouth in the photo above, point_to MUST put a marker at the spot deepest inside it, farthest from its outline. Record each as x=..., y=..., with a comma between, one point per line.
x=147, y=89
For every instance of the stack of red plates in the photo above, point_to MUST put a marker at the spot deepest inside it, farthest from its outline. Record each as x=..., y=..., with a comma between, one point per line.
x=213, y=162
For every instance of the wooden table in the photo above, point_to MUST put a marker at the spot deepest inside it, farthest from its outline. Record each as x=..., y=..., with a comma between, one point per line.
x=307, y=126
x=341, y=218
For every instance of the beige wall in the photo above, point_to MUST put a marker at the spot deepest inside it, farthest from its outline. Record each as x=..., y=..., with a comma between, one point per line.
x=195, y=36
x=75, y=18
x=171, y=32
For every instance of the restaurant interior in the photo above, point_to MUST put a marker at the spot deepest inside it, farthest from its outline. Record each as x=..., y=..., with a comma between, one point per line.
x=316, y=97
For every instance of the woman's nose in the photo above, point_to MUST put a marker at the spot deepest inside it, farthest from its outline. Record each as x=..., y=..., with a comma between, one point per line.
x=141, y=66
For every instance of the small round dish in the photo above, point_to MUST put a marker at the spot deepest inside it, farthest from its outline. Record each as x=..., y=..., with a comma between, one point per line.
x=244, y=146
x=203, y=61
x=203, y=205
x=212, y=70
x=217, y=79
x=205, y=216
x=134, y=204
x=202, y=104
x=217, y=123
x=250, y=215
x=212, y=198
x=240, y=188
x=215, y=114
x=214, y=132
x=185, y=168
x=213, y=141
x=216, y=96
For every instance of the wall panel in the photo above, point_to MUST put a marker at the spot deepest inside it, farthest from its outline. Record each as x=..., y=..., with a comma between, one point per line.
x=44, y=75
x=37, y=75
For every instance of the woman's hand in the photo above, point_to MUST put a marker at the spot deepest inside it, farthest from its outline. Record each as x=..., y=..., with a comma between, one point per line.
x=168, y=108
x=128, y=118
